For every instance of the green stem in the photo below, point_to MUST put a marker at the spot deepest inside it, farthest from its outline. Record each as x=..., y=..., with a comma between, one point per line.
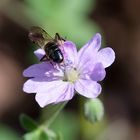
x=53, y=116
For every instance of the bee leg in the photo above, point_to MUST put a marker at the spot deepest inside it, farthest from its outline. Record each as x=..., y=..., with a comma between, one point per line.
x=44, y=58
x=51, y=63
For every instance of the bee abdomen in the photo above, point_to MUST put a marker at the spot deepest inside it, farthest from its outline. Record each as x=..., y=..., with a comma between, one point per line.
x=54, y=53
x=57, y=56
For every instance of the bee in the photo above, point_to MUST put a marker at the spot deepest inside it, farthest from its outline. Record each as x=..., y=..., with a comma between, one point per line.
x=50, y=45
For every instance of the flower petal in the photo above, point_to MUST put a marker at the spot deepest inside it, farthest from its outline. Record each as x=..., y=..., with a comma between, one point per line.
x=39, y=53
x=30, y=86
x=98, y=73
x=38, y=70
x=54, y=92
x=39, y=84
x=106, y=56
x=68, y=96
x=88, y=51
x=88, y=88
x=70, y=52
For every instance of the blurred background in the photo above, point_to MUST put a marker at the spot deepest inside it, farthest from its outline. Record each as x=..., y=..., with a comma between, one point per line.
x=78, y=20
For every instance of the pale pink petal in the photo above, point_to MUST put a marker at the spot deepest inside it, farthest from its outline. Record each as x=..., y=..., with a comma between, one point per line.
x=39, y=53
x=70, y=52
x=88, y=88
x=38, y=70
x=106, y=56
x=98, y=72
x=88, y=52
x=34, y=85
x=87, y=67
x=55, y=92
x=30, y=86
x=66, y=97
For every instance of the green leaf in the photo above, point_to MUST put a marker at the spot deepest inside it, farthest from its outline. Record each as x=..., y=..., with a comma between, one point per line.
x=59, y=136
x=44, y=136
x=7, y=133
x=28, y=123
x=34, y=135
x=41, y=134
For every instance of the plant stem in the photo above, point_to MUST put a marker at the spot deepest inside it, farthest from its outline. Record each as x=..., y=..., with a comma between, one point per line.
x=47, y=123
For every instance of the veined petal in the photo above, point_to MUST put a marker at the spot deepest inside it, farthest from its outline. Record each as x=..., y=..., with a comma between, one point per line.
x=98, y=72
x=34, y=85
x=55, y=92
x=88, y=88
x=39, y=53
x=88, y=51
x=38, y=70
x=69, y=94
x=70, y=52
x=106, y=56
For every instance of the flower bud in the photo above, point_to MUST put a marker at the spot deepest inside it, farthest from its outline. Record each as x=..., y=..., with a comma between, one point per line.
x=93, y=110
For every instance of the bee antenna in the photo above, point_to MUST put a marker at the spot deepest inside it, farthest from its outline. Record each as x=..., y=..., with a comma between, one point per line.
x=57, y=36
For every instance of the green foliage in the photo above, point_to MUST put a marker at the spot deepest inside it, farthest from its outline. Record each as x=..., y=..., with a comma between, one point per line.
x=50, y=112
x=38, y=134
x=28, y=123
x=68, y=17
x=6, y=133
x=93, y=110
x=67, y=124
x=42, y=133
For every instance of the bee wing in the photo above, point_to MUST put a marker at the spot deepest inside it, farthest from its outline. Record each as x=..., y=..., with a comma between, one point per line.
x=39, y=36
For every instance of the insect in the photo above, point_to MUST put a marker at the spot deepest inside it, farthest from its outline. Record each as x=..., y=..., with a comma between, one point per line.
x=50, y=45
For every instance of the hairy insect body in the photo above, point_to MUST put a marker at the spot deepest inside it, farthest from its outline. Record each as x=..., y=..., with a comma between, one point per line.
x=50, y=45
x=53, y=52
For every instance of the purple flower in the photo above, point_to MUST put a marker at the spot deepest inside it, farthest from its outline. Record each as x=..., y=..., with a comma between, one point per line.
x=81, y=72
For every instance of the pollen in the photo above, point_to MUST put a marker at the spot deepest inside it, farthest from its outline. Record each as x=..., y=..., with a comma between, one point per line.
x=71, y=75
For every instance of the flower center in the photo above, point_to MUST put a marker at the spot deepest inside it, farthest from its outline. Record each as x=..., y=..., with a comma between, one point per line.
x=71, y=75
